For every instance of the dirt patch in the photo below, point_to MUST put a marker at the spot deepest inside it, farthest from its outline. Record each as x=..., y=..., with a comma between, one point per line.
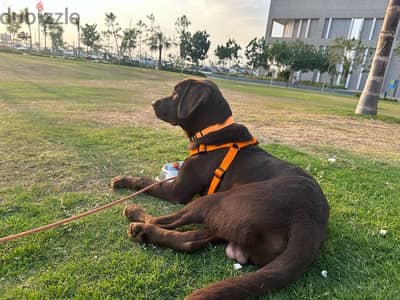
x=371, y=138
x=138, y=117
x=304, y=130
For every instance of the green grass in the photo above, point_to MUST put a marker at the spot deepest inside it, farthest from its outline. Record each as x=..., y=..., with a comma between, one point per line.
x=55, y=162
x=308, y=101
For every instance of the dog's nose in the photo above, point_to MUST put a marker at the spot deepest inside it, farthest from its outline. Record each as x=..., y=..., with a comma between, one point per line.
x=154, y=103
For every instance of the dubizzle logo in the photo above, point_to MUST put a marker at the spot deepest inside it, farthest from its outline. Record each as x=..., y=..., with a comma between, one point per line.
x=64, y=17
x=39, y=6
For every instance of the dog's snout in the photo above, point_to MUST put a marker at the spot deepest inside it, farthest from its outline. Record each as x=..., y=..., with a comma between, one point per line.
x=154, y=103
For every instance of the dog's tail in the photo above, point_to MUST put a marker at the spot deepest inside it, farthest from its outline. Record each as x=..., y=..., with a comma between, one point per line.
x=301, y=250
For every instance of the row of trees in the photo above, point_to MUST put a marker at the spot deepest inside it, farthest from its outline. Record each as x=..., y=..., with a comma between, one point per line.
x=192, y=46
x=114, y=39
x=297, y=56
x=47, y=23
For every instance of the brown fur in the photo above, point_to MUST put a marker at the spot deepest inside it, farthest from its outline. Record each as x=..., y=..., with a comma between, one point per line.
x=272, y=213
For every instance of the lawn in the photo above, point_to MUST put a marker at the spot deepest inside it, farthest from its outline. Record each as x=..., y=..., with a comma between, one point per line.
x=67, y=127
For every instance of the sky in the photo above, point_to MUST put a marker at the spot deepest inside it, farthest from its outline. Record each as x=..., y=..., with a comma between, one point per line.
x=222, y=19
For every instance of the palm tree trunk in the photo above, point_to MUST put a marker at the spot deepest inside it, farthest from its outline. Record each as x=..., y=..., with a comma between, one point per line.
x=368, y=103
x=159, y=56
x=39, y=21
x=79, y=41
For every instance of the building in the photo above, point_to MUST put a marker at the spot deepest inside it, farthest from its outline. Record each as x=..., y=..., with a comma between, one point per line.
x=319, y=22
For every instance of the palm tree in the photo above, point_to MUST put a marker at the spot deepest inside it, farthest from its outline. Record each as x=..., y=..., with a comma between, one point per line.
x=56, y=35
x=140, y=31
x=344, y=52
x=13, y=29
x=158, y=41
x=25, y=14
x=129, y=41
x=45, y=22
x=113, y=30
x=368, y=103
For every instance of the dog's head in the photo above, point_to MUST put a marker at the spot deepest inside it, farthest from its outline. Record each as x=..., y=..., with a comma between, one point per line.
x=193, y=105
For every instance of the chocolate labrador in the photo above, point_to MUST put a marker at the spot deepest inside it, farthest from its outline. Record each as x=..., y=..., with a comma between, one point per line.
x=270, y=212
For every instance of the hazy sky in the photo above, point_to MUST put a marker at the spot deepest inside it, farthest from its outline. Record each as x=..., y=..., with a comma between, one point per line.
x=241, y=19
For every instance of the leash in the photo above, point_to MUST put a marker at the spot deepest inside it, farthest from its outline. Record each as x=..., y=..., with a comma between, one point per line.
x=87, y=213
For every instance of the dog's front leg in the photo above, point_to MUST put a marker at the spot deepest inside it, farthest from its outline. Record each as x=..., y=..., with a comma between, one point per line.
x=179, y=190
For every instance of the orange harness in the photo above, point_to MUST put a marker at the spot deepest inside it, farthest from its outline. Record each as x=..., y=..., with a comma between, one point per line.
x=229, y=157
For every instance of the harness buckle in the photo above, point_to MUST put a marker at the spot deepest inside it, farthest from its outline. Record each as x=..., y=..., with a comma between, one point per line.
x=219, y=172
x=202, y=148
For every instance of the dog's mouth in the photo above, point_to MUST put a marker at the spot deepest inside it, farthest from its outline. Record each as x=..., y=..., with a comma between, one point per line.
x=163, y=116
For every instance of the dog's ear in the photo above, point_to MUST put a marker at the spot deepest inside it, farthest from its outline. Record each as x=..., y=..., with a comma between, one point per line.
x=195, y=93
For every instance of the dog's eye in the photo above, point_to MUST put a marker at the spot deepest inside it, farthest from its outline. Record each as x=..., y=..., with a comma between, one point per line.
x=175, y=96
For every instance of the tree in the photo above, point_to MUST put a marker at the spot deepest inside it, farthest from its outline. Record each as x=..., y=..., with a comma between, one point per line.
x=45, y=22
x=13, y=27
x=141, y=28
x=303, y=57
x=26, y=17
x=90, y=36
x=297, y=56
x=368, y=103
x=280, y=53
x=113, y=31
x=257, y=54
x=158, y=41
x=199, y=46
x=129, y=41
x=185, y=38
x=56, y=35
x=320, y=61
x=345, y=52
x=228, y=52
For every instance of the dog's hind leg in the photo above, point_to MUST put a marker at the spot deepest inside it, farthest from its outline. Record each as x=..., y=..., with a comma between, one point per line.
x=188, y=241
x=135, y=213
x=192, y=213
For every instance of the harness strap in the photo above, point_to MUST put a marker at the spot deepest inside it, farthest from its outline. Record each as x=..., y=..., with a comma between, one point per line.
x=223, y=167
x=212, y=128
x=208, y=148
x=226, y=162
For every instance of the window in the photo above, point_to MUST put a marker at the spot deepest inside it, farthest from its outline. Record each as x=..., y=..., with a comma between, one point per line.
x=277, y=29
x=303, y=28
x=285, y=28
x=355, y=29
x=313, y=30
x=296, y=25
x=377, y=29
x=339, y=28
x=366, y=29
x=326, y=27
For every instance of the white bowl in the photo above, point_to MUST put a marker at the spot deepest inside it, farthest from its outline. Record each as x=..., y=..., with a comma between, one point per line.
x=170, y=170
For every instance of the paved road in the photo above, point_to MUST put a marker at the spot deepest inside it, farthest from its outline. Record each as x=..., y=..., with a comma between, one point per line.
x=282, y=84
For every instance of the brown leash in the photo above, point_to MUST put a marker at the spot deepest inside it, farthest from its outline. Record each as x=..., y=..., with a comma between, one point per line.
x=87, y=213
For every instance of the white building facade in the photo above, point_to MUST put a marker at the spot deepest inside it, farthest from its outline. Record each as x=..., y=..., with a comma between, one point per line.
x=319, y=22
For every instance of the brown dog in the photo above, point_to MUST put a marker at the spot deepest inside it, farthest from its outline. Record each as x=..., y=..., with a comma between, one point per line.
x=271, y=213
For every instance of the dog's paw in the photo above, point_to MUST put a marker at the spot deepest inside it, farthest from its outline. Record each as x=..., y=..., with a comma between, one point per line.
x=134, y=213
x=137, y=231
x=120, y=182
